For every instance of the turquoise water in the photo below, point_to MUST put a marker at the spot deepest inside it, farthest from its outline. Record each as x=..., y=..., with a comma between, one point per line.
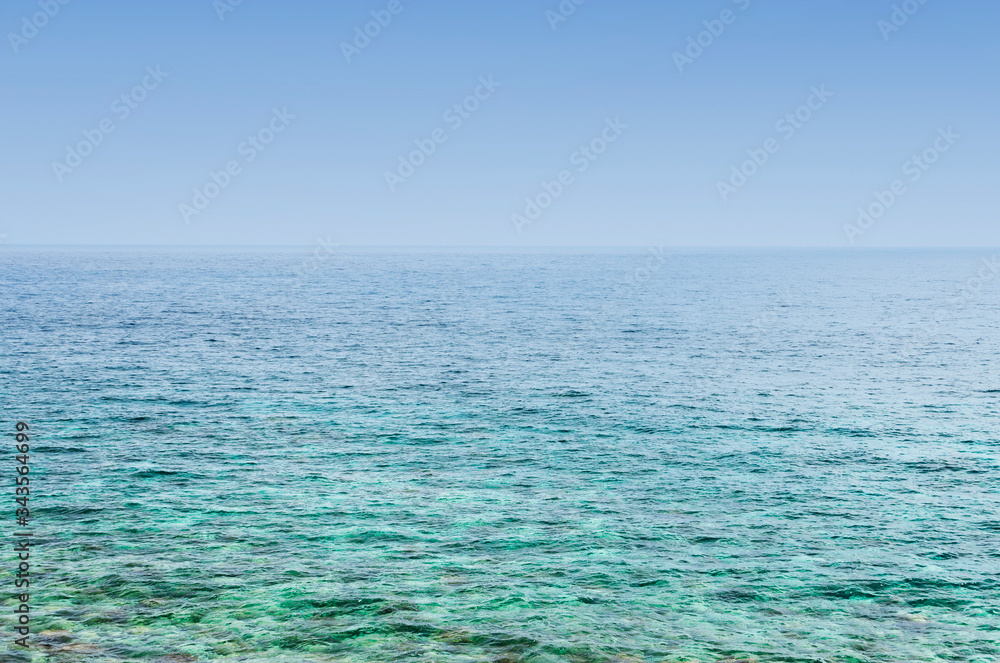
x=506, y=457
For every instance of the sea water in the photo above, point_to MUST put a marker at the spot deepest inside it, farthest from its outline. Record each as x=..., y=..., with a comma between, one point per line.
x=296, y=456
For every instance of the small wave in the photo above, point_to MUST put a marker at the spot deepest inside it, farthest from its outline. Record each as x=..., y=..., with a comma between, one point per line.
x=853, y=432
x=72, y=510
x=153, y=474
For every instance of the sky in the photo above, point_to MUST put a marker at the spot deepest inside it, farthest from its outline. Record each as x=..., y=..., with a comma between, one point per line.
x=523, y=123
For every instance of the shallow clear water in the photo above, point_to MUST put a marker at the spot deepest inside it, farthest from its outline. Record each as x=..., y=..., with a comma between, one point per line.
x=486, y=457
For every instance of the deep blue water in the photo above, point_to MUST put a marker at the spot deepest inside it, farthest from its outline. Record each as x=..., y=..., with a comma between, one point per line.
x=507, y=457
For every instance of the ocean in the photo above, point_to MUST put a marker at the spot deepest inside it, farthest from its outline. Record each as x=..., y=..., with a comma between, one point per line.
x=361, y=456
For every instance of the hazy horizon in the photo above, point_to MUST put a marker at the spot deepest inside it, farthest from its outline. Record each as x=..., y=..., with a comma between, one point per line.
x=416, y=248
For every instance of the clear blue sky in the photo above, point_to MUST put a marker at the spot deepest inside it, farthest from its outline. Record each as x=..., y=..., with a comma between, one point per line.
x=679, y=134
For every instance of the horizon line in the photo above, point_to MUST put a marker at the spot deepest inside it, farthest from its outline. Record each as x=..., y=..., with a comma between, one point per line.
x=495, y=247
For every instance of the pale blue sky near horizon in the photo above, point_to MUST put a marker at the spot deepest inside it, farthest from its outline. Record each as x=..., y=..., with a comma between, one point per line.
x=344, y=124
